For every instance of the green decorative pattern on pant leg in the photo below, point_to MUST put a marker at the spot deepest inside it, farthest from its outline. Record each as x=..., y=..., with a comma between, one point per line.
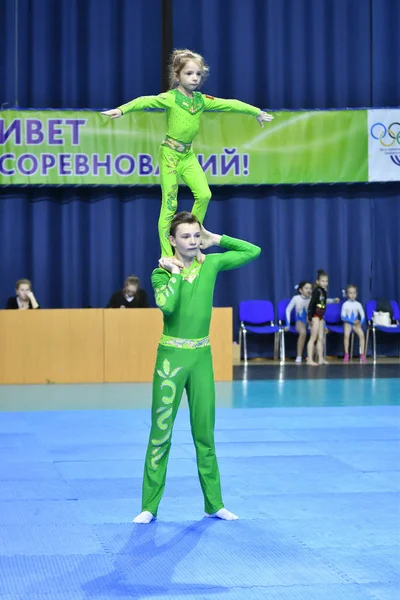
x=164, y=412
x=171, y=385
x=161, y=441
x=172, y=198
x=162, y=418
x=154, y=461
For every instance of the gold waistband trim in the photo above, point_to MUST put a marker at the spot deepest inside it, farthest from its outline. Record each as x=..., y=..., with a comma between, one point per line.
x=185, y=344
x=176, y=145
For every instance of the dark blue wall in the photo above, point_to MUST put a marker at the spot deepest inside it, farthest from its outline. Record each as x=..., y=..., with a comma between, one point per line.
x=78, y=244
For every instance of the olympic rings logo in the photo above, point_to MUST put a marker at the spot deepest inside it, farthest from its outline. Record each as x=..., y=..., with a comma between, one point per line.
x=387, y=136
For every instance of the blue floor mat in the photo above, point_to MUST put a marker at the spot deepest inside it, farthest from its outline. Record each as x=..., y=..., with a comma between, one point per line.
x=333, y=434
x=317, y=490
x=303, y=592
x=48, y=540
x=40, y=512
x=378, y=564
x=49, y=575
x=36, y=489
x=25, y=471
x=101, y=469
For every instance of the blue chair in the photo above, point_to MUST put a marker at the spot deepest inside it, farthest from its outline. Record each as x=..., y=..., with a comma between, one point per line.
x=370, y=308
x=334, y=323
x=257, y=316
x=282, y=305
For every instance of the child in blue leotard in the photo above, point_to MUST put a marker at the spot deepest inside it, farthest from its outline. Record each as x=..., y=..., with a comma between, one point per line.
x=353, y=318
x=300, y=303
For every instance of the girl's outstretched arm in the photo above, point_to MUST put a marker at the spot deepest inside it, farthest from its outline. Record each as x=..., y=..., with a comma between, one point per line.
x=221, y=104
x=163, y=101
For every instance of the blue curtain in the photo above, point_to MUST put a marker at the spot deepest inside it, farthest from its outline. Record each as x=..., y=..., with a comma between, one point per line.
x=385, y=46
x=273, y=53
x=296, y=53
x=78, y=245
x=80, y=53
x=385, y=276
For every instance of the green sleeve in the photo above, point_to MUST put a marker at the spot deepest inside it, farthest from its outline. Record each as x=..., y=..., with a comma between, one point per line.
x=167, y=290
x=160, y=101
x=230, y=105
x=239, y=253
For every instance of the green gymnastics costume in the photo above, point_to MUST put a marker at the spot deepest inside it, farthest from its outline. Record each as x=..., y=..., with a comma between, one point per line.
x=176, y=157
x=184, y=361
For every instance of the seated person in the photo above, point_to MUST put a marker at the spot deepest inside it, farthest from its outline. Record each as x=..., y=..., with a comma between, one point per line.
x=131, y=296
x=24, y=296
x=353, y=318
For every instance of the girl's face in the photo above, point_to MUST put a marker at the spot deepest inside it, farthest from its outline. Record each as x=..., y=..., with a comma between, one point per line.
x=22, y=291
x=352, y=293
x=187, y=240
x=131, y=290
x=323, y=282
x=190, y=76
x=306, y=290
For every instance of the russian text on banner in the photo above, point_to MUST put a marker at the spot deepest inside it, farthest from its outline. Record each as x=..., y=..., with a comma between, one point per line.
x=87, y=148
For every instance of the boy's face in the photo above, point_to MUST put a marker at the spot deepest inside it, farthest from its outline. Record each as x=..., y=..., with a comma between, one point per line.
x=187, y=239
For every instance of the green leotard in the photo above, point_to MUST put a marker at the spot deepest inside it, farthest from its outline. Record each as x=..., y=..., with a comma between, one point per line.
x=183, y=113
x=184, y=361
x=176, y=157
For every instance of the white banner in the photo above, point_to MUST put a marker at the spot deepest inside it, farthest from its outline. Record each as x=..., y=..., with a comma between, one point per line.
x=384, y=144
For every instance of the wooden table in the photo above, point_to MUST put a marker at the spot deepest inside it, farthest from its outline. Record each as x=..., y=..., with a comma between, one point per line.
x=94, y=345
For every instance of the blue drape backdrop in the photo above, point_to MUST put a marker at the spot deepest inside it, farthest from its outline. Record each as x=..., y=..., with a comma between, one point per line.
x=277, y=53
x=77, y=245
x=296, y=53
x=79, y=53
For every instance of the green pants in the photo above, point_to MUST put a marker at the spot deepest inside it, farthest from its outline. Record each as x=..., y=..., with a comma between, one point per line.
x=172, y=166
x=178, y=369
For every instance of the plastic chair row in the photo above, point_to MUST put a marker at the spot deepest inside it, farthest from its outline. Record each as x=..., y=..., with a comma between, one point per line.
x=258, y=317
x=370, y=308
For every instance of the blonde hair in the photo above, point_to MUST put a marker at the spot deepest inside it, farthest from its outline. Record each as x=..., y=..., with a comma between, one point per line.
x=349, y=287
x=179, y=58
x=132, y=280
x=23, y=282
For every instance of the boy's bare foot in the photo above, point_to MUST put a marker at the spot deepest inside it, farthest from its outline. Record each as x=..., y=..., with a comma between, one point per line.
x=223, y=514
x=144, y=518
